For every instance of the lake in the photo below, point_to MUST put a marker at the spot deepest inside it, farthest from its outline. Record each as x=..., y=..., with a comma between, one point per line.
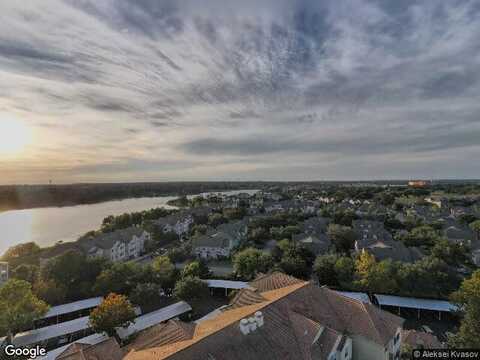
x=46, y=226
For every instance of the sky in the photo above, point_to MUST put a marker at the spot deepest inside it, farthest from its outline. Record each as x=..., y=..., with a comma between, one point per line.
x=172, y=90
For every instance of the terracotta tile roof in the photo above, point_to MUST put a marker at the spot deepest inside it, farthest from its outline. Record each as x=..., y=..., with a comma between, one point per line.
x=301, y=321
x=74, y=348
x=245, y=297
x=106, y=350
x=208, y=335
x=275, y=280
x=161, y=334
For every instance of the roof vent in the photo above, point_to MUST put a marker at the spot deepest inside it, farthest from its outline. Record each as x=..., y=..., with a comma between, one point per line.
x=244, y=326
x=259, y=318
x=253, y=324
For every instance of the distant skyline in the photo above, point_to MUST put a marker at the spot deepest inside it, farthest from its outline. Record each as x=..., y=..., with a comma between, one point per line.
x=186, y=90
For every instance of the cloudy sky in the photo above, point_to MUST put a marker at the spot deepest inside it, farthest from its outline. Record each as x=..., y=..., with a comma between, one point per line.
x=123, y=90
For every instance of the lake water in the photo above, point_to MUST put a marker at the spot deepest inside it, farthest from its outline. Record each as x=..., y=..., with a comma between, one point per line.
x=46, y=226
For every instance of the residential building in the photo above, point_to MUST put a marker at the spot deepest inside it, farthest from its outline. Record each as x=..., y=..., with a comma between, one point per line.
x=374, y=238
x=107, y=349
x=213, y=245
x=119, y=245
x=178, y=223
x=280, y=317
x=318, y=243
x=3, y=272
x=219, y=242
x=316, y=225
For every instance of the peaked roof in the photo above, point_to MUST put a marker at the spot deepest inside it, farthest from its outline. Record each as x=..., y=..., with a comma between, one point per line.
x=107, y=350
x=301, y=320
x=166, y=333
x=245, y=297
x=272, y=281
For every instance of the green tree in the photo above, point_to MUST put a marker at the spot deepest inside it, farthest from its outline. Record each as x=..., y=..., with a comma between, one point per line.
x=121, y=278
x=145, y=294
x=454, y=254
x=190, y=288
x=429, y=277
x=468, y=300
x=114, y=311
x=475, y=226
x=376, y=276
x=73, y=272
x=293, y=264
x=324, y=268
x=178, y=254
x=26, y=272
x=247, y=263
x=344, y=269
x=196, y=268
x=164, y=272
x=50, y=292
x=19, y=307
x=421, y=236
x=343, y=237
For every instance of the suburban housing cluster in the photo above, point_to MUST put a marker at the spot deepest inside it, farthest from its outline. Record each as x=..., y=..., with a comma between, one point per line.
x=275, y=316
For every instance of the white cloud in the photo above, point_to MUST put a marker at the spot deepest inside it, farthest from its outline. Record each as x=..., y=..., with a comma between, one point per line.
x=117, y=90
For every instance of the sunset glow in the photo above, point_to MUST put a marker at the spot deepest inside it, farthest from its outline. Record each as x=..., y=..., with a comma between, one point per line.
x=14, y=136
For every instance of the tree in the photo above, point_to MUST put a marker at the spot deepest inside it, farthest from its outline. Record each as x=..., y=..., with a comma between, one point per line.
x=429, y=277
x=344, y=218
x=145, y=294
x=363, y=266
x=247, y=263
x=454, y=254
x=475, y=226
x=324, y=268
x=21, y=250
x=293, y=264
x=200, y=229
x=421, y=236
x=375, y=276
x=466, y=219
x=234, y=214
x=344, y=269
x=19, y=307
x=190, y=288
x=196, y=268
x=49, y=291
x=295, y=260
x=178, y=254
x=114, y=311
x=74, y=273
x=164, y=272
x=216, y=219
x=26, y=272
x=343, y=237
x=121, y=278
x=468, y=300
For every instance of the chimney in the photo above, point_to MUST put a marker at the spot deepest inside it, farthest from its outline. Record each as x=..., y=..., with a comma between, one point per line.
x=244, y=326
x=253, y=324
x=259, y=318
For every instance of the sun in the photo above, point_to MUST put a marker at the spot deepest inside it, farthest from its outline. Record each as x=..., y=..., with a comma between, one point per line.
x=14, y=136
